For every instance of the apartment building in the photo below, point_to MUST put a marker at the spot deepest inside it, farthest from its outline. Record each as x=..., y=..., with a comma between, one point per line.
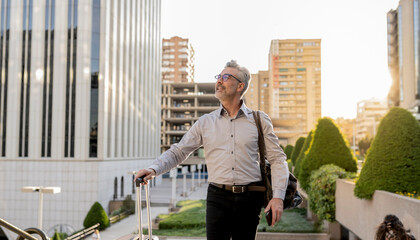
x=182, y=105
x=177, y=60
x=258, y=97
x=347, y=128
x=295, y=87
x=404, y=56
x=369, y=115
x=80, y=104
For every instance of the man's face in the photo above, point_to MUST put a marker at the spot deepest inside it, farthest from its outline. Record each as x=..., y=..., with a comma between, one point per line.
x=227, y=90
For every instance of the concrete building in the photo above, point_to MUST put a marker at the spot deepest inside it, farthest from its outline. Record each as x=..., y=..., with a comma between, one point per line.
x=80, y=104
x=258, y=95
x=177, y=60
x=182, y=105
x=369, y=115
x=404, y=56
x=295, y=87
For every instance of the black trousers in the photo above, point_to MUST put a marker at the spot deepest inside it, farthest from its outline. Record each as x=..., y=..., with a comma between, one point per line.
x=232, y=215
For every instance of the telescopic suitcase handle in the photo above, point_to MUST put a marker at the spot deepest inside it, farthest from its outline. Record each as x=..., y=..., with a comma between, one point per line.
x=139, y=181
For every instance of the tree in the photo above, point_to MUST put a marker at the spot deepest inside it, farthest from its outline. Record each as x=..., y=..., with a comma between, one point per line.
x=288, y=151
x=302, y=154
x=393, y=161
x=328, y=147
x=364, y=145
x=96, y=215
x=296, y=149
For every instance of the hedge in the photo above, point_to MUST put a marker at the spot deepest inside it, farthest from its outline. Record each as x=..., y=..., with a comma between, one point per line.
x=296, y=150
x=322, y=193
x=191, y=215
x=288, y=151
x=302, y=154
x=327, y=147
x=393, y=160
x=96, y=215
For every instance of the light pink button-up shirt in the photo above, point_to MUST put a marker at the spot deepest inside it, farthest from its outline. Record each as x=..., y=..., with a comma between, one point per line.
x=231, y=148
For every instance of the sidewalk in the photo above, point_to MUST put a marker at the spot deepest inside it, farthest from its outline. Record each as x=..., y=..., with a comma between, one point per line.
x=160, y=196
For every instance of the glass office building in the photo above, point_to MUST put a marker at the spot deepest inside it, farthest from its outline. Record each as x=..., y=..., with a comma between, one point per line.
x=79, y=103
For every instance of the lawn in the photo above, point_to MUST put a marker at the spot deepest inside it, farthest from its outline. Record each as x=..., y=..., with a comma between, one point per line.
x=190, y=221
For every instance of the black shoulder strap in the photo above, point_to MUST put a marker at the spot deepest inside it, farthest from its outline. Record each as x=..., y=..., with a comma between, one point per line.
x=261, y=143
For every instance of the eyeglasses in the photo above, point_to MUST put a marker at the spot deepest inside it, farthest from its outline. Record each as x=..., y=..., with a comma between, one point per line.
x=225, y=77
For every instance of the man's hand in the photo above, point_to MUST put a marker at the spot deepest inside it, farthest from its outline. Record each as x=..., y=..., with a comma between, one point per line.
x=147, y=174
x=276, y=206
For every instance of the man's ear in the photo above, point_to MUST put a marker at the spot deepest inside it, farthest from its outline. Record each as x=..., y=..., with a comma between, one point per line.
x=241, y=88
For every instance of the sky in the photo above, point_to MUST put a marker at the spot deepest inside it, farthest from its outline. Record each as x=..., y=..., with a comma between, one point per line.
x=353, y=41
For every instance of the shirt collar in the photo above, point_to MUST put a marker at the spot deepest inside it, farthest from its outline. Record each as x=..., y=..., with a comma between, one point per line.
x=242, y=110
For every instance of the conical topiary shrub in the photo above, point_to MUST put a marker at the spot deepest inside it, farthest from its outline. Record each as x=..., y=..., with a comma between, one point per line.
x=96, y=215
x=393, y=160
x=288, y=151
x=327, y=147
x=296, y=149
x=56, y=236
x=299, y=160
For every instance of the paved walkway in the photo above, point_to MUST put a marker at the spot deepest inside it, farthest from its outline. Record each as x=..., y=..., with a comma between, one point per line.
x=160, y=196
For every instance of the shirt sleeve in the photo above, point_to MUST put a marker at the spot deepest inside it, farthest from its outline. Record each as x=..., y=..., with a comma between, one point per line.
x=276, y=157
x=178, y=152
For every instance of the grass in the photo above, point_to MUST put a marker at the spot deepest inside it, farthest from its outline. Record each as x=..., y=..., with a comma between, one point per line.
x=292, y=221
x=190, y=221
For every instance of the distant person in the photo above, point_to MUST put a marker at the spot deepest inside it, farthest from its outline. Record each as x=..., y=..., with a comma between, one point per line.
x=392, y=229
x=229, y=136
x=96, y=235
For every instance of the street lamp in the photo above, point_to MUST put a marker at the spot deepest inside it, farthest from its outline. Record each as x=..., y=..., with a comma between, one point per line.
x=41, y=190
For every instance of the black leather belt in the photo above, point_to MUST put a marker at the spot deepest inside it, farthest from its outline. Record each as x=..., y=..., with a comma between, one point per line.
x=239, y=188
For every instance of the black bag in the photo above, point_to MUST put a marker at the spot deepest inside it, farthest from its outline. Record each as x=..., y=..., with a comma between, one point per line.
x=292, y=198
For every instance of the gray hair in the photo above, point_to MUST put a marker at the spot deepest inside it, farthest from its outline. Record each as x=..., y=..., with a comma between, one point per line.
x=244, y=74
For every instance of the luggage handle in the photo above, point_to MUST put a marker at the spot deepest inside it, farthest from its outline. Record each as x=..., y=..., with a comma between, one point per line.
x=139, y=181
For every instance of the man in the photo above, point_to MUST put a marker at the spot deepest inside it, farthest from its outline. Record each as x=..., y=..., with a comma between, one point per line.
x=230, y=139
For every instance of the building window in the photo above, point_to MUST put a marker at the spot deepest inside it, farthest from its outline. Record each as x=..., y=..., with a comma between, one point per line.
x=25, y=87
x=115, y=188
x=71, y=78
x=122, y=186
x=94, y=75
x=4, y=47
x=48, y=78
x=283, y=69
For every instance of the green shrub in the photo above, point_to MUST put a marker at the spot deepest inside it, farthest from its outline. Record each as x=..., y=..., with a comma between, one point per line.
x=393, y=160
x=96, y=215
x=302, y=154
x=288, y=151
x=296, y=149
x=191, y=215
x=327, y=147
x=289, y=164
x=57, y=236
x=322, y=193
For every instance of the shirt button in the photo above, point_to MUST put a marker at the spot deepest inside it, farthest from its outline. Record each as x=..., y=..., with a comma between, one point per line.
x=231, y=120
x=231, y=135
x=232, y=152
x=233, y=169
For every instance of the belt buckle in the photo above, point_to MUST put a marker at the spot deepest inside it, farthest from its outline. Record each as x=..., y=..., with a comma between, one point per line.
x=238, y=189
